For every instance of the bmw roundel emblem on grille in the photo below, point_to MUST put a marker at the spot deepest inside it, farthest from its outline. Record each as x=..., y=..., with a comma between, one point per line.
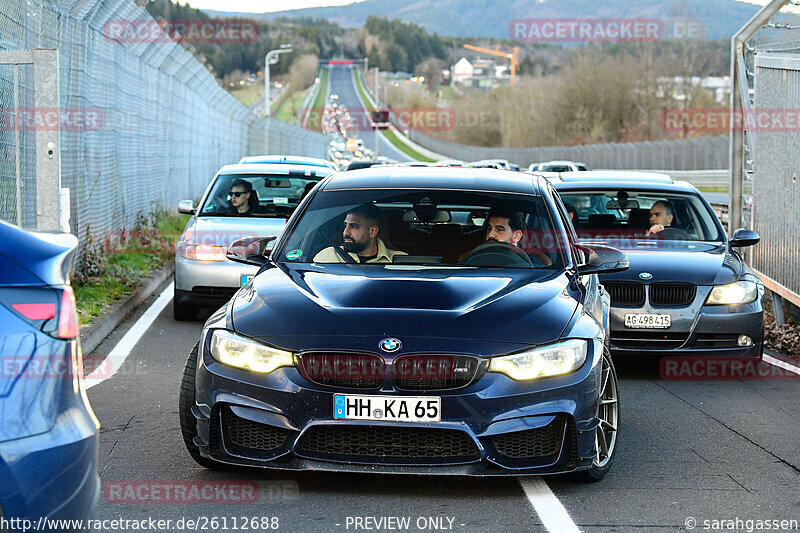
x=646, y=275
x=390, y=344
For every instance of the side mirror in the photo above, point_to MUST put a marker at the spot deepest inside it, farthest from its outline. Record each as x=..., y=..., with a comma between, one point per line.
x=249, y=250
x=602, y=260
x=186, y=207
x=743, y=237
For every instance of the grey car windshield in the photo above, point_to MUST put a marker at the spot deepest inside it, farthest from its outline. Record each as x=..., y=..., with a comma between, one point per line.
x=426, y=227
x=260, y=195
x=624, y=214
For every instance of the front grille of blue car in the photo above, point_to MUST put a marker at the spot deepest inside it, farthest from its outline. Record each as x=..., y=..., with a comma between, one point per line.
x=387, y=444
x=415, y=372
x=434, y=372
x=343, y=370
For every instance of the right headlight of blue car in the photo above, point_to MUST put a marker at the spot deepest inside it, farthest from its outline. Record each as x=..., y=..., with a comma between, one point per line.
x=543, y=361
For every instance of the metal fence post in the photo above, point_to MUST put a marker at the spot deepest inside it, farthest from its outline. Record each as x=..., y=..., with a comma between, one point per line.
x=48, y=149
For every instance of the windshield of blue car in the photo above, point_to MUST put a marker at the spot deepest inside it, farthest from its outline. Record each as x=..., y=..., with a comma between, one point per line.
x=260, y=195
x=638, y=215
x=424, y=227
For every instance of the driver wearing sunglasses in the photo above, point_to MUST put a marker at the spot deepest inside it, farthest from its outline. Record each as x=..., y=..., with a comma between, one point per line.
x=243, y=198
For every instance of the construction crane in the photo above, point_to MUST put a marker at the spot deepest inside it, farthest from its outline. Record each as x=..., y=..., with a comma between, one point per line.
x=512, y=56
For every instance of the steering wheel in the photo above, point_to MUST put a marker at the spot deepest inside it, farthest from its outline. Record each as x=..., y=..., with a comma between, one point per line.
x=497, y=254
x=670, y=234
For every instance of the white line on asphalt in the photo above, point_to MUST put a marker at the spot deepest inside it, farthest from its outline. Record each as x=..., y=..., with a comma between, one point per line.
x=781, y=364
x=120, y=352
x=553, y=515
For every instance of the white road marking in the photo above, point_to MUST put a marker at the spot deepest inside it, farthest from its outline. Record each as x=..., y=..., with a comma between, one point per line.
x=120, y=352
x=553, y=515
x=781, y=364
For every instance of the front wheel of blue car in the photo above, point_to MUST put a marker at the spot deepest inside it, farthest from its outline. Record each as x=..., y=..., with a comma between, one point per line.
x=608, y=422
x=185, y=404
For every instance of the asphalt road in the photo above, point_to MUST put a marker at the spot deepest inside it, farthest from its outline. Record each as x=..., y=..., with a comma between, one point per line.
x=341, y=83
x=702, y=450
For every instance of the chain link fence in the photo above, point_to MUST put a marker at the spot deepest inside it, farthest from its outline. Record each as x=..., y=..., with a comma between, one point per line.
x=771, y=163
x=700, y=153
x=162, y=125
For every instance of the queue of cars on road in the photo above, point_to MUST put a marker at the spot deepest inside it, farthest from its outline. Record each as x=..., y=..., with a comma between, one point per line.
x=491, y=333
x=461, y=353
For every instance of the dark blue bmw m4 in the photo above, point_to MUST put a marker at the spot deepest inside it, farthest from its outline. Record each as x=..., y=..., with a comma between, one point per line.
x=412, y=320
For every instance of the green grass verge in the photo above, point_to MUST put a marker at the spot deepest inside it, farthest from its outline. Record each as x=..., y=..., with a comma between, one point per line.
x=288, y=110
x=249, y=94
x=107, y=273
x=406, y=149
x=389, y=134
x=318, y=105
x=713, y=189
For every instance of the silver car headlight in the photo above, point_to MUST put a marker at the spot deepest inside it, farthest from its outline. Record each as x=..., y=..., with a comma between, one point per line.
x=542, y=362
x=738, y=292
x=240, y=352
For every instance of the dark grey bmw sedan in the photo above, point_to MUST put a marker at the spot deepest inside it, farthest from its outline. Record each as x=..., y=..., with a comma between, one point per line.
x=688, y=290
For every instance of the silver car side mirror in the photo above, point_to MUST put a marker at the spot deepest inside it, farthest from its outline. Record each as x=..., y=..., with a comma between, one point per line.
x=186, y=207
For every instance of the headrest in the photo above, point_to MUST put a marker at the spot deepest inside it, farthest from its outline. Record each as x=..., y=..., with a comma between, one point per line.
x=438, y=216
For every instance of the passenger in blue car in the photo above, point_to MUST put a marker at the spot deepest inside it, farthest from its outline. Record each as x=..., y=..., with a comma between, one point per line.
x=360, y=239
x=508, y=227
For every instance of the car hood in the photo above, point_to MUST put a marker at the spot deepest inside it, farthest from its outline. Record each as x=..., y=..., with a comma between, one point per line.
x=221, y=231
x=679, y=261
x=316, y=304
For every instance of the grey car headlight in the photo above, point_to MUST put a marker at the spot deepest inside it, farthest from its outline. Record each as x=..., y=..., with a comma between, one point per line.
x=542, y=362
x=738, y=292
x=240, y=352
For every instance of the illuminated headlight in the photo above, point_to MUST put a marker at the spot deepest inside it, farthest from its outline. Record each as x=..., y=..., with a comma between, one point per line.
x=241, y=352
x=738, y=292
x=545, y=361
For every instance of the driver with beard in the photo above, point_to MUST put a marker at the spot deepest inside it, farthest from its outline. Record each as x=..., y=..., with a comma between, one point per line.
x=360, y=239
x=507, y=226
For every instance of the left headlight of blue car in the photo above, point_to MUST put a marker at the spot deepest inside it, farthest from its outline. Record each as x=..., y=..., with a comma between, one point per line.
x=49, y=434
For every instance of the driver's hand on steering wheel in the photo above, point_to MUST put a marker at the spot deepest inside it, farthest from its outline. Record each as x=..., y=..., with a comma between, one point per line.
x=542, y=257
x=655, y=229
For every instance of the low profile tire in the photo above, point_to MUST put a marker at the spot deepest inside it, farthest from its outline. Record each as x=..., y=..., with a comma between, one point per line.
x=608, y=426
x=185, y=404
x=182, y=313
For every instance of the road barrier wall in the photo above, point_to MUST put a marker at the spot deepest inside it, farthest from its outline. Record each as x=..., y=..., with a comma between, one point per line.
x=700, y=153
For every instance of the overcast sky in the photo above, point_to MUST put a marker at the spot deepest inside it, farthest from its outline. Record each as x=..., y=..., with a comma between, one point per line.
x=261, y=6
